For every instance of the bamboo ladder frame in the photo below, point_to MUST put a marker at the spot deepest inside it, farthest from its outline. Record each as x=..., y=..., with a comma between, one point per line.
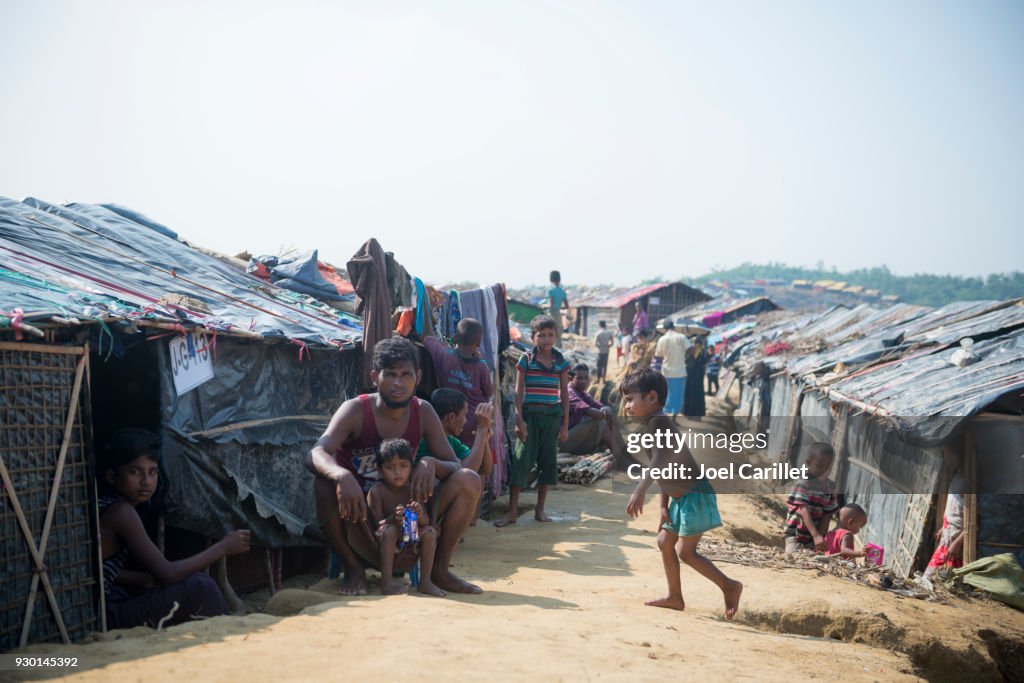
x=38, y=552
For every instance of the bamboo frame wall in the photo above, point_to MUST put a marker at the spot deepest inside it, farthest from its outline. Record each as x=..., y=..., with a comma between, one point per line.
x=48, y=526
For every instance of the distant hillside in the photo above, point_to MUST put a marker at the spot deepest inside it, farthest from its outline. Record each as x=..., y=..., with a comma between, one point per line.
x=928, y=290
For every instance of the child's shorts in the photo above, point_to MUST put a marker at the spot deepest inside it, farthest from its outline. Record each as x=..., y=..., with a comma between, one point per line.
x=541, y=447
x=695, y=512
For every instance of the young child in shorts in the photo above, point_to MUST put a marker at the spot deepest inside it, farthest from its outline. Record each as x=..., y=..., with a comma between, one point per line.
x=388, y=502
x=839, y=541
x=689, y=507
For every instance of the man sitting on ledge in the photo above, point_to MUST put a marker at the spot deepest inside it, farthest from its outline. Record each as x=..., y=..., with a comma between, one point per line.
x=344, y=463
x=592, y=424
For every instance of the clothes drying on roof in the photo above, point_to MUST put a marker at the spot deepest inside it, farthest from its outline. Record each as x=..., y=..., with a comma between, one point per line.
x=369, y=278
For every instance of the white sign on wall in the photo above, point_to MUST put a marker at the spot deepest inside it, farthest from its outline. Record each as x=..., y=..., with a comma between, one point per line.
x=655, y=301
x=191, y=364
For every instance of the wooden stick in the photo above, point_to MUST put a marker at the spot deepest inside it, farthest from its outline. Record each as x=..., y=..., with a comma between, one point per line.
x=794, y=424
x=871, y=469
x=1003, y=545
x=835, y=395
x=30, y=541
x=51, y=506
x=259, y=423
x=970, y=547
x=841, y=465
x=99, y=556
x=42, y=348
x=999, y=416
x=270, y=572
x=221, y=570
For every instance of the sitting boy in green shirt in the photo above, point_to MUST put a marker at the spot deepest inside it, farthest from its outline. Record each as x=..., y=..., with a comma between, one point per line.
x=451, y=406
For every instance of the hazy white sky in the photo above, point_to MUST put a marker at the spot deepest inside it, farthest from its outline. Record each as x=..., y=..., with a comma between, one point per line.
x=495, y=141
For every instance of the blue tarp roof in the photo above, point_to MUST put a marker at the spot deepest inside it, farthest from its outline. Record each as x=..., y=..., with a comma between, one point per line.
x=105, y=262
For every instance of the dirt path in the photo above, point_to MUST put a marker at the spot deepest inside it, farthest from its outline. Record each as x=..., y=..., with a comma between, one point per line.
x=564, y=601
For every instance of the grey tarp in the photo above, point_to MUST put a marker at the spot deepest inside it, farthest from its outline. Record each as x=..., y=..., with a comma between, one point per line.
x=251, y=476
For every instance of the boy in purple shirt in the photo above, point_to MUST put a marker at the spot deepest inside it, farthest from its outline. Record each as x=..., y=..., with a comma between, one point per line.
x=462, y=369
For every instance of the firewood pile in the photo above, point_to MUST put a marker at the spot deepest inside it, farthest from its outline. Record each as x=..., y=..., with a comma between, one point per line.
x=585, y=470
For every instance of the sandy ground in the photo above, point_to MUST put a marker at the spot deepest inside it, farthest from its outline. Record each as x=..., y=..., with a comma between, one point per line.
x=564, y=601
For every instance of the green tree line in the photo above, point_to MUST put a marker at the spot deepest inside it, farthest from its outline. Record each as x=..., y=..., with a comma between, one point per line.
x=924, y=289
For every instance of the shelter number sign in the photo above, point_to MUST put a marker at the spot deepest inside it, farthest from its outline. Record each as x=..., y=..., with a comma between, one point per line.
x=190, y=362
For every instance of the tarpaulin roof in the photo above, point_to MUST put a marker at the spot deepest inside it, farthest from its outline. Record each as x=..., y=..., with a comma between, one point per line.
x=85, y=262
x=898, y=359
x=748, y=306
x=623, y=298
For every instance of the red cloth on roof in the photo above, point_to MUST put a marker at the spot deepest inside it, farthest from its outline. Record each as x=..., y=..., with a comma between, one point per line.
x=341, y=284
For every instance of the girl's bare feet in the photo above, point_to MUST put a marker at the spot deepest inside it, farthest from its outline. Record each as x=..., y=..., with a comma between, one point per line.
x=732, y=598
x=540, y=516
x=670, y=602
x=392, y=586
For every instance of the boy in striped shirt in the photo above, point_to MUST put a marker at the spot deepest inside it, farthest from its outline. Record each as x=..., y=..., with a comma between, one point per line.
x=812, y=503
x=542, y=417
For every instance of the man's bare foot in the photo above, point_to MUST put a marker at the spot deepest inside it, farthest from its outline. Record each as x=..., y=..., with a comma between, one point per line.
x=540, y=516
x=509, y=518
x=732, y=598
x=353, y=583
x=428, y=588
x=670, y=602
x=389, y=585
x=453, y=584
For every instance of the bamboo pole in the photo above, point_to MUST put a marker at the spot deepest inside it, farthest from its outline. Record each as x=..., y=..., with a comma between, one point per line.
x=247, y=424
x=19, y=514
x=99, y=557
x=42, y=348
x=51, y=507
x=834, y=395
x=794, y=424
x=970, y=546
x=841, y=465
x=221, y=571
x=270, y=571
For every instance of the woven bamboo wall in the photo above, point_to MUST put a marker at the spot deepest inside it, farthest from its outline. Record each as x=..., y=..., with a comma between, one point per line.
x=35, y=394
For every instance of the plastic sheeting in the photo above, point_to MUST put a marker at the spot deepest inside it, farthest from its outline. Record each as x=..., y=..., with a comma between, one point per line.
x=88, y=261
x=303, y=275
x=251, y=476
x=925, y=391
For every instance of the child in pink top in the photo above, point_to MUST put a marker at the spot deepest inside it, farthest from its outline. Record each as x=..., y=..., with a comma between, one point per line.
x=839, y=541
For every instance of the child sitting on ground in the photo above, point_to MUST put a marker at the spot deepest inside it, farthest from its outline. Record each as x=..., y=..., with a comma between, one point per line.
x=812, y=502
x=131, y=474
x=388, y=501
x=452, y=407
x=839, y=541
x=542, y=417
x=689, y=507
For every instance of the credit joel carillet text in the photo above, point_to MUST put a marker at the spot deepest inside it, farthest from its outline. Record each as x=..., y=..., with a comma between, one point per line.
x=668, y=439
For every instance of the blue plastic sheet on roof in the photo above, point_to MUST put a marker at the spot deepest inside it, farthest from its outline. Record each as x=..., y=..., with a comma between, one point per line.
x=89, y=261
